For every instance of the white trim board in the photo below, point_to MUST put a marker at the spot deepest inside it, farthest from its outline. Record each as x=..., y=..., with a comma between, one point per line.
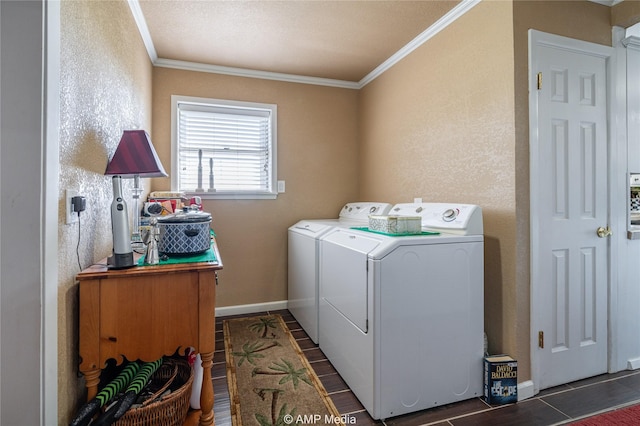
x=525, y=390
x=138, y=16
x=609, y=3
x=49, y=198
x=633, y=364
x=242, y=72
x=251, y=308
x=463, y=7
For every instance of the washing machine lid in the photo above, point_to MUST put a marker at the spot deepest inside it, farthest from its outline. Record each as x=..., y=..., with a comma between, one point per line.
x=313, y=228
x=352, y=214
x=362, y=242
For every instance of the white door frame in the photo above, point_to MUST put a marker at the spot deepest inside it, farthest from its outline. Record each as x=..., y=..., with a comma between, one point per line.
x=50, y=222
x=537, y=38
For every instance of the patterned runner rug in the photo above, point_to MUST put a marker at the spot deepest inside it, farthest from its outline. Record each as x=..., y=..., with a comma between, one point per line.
x=270, y=381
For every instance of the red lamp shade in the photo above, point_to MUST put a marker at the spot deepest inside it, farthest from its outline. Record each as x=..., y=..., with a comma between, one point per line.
x=135, y=155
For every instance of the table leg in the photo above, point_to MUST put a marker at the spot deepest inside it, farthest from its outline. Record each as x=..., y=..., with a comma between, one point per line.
x=206, y=394
x=92, y=380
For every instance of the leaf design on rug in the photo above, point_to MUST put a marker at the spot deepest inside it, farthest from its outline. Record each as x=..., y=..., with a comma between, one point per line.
x=268, y=390
x=250, y=351
x=286, y=369
x=278, y=420
x=263, y=325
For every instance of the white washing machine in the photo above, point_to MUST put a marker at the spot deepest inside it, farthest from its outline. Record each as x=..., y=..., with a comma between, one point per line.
x=401, y=318
x=303, y=240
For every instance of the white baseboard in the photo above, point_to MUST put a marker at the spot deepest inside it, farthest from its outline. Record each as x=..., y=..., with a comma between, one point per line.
x=633, y=364
x=250, y=309
x=525, y=390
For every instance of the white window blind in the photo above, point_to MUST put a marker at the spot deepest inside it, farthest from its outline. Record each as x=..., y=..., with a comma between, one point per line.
x=235, y=139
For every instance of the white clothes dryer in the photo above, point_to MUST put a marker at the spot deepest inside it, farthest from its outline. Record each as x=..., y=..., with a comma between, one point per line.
x=401, y=317
x=303, y=244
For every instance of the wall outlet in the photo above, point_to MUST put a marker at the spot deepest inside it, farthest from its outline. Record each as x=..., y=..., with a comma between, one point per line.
x=72, y=217
x=280, y=186
x=417, y=200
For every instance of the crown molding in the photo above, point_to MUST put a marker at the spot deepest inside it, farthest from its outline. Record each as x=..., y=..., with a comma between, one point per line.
x=463, y=7
x=143, y=29
x=631, y=42
x=607, y=2
x=243, y=72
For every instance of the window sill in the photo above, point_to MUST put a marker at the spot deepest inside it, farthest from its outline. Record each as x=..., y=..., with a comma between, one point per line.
x=223, y=195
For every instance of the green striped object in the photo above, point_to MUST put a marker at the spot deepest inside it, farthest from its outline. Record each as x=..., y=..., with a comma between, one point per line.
x=119, y=408
x=86, y=412
x=142, y=377
x=118, y=383
x=139, y=382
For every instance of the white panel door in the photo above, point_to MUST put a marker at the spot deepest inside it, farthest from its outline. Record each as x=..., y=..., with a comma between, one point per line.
x=569, y=201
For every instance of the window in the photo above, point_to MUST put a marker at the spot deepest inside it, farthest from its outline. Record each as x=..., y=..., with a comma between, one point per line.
x=235, y=140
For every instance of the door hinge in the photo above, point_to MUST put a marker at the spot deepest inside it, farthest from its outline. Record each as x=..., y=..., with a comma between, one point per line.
x=539, y=81
x=541, y=339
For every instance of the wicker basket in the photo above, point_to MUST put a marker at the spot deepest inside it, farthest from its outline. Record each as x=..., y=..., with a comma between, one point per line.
x=169, y=411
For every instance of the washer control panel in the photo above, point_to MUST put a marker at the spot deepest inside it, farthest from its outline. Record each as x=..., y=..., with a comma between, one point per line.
x=361, y=211
x=464, y=219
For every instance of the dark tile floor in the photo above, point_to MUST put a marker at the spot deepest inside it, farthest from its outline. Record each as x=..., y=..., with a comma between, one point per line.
x=559, y=405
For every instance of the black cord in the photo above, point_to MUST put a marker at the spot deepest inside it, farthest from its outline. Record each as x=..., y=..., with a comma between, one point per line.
x=78, y=245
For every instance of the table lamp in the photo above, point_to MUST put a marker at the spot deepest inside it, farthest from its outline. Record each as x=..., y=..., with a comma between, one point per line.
x=135, y=157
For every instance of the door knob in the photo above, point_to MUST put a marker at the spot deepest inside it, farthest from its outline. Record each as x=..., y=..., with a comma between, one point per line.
x=603, y=232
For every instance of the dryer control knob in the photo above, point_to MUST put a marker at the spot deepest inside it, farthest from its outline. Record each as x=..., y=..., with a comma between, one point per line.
x=373, y=209
x=449, y=215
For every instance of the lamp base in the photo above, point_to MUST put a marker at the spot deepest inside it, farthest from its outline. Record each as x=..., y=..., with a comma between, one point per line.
x=120, y=261
x=122, y=256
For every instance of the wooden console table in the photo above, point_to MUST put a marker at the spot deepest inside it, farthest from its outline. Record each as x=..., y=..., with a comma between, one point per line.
x=146, y=312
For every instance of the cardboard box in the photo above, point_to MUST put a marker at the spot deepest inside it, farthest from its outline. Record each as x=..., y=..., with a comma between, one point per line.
x=398, y=225
x=500, y=379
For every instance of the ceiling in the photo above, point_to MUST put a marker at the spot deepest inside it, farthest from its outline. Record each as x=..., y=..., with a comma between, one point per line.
x=340, y=40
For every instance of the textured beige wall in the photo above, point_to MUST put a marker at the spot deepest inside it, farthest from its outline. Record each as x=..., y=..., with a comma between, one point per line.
x=625, y=14
x=440, y=125
x=105, y=88
x=317, y=158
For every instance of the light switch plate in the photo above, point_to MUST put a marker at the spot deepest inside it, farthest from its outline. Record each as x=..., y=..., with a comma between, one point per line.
x=280, y=186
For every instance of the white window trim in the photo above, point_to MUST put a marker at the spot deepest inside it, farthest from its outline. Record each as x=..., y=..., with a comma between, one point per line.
x=229, y=195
